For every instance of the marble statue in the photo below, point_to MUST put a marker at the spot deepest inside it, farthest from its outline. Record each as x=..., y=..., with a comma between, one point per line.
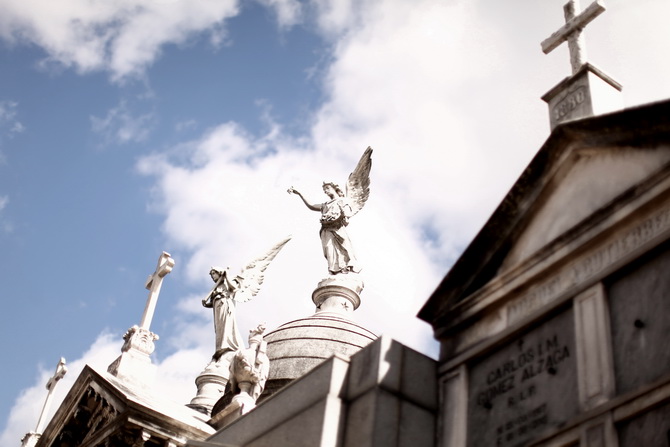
x=336, y=212
x=228, y=291
x=249, y=370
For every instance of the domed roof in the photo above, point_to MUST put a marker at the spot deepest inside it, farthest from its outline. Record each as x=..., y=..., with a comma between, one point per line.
x=296, y=347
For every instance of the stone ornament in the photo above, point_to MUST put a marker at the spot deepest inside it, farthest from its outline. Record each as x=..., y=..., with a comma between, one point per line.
x=140, y=339
x=249, y=370
x=336, y=212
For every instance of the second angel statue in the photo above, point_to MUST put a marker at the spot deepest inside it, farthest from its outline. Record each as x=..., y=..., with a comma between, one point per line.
x=228, y=291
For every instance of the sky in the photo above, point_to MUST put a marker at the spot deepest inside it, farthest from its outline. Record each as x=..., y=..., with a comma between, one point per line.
x=134, y=127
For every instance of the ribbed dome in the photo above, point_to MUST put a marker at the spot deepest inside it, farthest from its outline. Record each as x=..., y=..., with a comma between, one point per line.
x=298, y=346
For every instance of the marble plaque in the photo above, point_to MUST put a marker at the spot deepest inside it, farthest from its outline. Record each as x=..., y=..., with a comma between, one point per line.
x=525, y=388
x=650, y=429
x=640, y=321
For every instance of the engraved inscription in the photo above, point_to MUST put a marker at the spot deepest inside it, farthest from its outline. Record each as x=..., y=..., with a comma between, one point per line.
x=569, y=103
x=589, y=266
x=519, y=427
x=526, y=387
x=542, y=357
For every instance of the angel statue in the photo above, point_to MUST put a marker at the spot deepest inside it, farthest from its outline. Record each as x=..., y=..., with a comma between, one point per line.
x=336, y=212
x=228, y=291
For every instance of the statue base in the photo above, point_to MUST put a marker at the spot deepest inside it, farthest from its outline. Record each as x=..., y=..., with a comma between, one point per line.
x=211, y=383
x=338, y=294
x=240, y=405
x=134, y=364
x=588, y=92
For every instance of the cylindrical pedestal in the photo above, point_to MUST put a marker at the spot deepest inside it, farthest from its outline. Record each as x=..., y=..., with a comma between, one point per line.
x=211, y=384
x=338, y=294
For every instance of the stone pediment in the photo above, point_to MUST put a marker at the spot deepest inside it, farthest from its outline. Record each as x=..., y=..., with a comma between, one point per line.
x=586, y=181
x=100, y=410
x=582, y=173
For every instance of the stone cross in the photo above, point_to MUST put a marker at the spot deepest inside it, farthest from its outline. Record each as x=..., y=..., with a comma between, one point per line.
x=31, y=438
x=154, y=282
x=572, y=31
x=61, y=369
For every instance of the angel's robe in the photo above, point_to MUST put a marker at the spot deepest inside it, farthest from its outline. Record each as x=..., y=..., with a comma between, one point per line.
x=228, y=336
x=337, y=247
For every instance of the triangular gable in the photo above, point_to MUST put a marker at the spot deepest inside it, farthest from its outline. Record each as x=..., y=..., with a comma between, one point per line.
x=586, y=181
x=555, y=182
x=101, y=410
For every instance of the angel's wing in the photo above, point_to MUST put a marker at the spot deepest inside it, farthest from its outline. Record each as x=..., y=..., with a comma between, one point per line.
x=358, y=183
x=251, y=277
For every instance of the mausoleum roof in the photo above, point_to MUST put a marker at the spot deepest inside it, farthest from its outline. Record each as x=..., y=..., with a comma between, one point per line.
x=100, y=406
x=504, y=240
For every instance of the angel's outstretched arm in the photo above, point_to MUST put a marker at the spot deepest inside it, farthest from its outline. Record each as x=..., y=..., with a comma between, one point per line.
x=311, y=206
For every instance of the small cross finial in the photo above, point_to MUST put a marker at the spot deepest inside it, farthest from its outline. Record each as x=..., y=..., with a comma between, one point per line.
x=154, y=283
x=571, y=32
x=61, y=370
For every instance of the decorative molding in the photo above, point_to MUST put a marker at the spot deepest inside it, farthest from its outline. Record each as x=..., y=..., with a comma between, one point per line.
x=89, y=417
x=139, y=339
x=590, y=266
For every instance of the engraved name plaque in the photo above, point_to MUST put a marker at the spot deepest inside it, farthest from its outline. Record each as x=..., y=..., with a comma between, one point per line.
x=526, y=387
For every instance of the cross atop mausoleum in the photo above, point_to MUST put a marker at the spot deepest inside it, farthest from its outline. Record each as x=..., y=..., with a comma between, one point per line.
x=154, y=282
x=31, y=438
x=134, y=364
x=571, y=32
x=588, y=91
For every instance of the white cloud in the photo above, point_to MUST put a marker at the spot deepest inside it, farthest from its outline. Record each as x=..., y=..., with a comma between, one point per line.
x=8, y=111
x=122, y=126
x=186, y=125
x=5, y=225
x=288, y=12
x=9, y=124
x=335, y=17
x=121, y=37
x=224, y=195
x=396, y=83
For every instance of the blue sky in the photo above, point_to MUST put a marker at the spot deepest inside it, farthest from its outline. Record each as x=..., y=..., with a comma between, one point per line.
x=178, y=126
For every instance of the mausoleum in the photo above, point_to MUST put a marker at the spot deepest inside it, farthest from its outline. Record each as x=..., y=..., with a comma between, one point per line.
x=552, y=323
